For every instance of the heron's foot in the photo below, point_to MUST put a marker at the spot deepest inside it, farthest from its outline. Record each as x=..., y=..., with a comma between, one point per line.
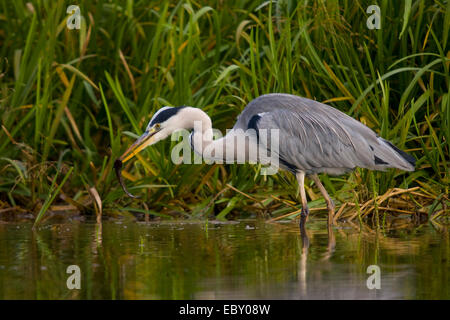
x=305, y=212
x=303, y=217
x=331, y=208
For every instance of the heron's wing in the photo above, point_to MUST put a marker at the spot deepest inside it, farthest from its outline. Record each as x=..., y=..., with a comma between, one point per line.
x=315, y=140
x=314, y=137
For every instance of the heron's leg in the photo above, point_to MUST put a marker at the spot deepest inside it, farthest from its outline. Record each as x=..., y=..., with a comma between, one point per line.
x=330, y=204
x=305, y=211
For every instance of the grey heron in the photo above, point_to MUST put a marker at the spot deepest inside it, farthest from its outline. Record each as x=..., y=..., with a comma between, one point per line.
x=313, y=138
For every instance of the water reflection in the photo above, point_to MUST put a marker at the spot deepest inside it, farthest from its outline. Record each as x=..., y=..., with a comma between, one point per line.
x=236, y=260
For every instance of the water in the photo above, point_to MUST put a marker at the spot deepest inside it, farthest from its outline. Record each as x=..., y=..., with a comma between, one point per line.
x=241, y=260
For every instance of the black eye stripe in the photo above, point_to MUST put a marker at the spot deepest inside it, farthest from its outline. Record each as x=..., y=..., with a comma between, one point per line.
x=165, y=114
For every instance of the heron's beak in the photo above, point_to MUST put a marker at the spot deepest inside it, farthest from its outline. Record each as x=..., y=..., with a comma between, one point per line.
x=142, y=142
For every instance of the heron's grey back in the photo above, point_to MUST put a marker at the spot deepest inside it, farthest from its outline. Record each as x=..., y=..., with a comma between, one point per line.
x=314, y=137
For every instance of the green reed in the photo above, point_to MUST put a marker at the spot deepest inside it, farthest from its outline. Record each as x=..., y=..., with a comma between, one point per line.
x=75, y=99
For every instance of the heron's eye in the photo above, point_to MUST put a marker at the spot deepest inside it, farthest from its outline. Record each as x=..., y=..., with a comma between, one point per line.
x=157, y=126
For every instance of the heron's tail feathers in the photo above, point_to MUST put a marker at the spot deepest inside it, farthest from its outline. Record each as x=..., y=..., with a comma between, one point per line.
x=389, y=156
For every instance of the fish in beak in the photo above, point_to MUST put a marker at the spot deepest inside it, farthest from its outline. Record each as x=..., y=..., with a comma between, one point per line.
x=141, y=143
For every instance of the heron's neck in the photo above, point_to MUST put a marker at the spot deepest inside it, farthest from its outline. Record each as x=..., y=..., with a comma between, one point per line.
x=201, y=139
x=197, y=120
x=236, y=146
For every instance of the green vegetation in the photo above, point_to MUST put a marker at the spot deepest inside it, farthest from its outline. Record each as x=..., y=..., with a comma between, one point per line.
x=72, y=101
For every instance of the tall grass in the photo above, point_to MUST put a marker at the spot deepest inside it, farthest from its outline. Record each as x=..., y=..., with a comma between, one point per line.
x=75, y=99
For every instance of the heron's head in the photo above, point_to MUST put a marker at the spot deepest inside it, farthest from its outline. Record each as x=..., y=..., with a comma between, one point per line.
x=163, y=123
